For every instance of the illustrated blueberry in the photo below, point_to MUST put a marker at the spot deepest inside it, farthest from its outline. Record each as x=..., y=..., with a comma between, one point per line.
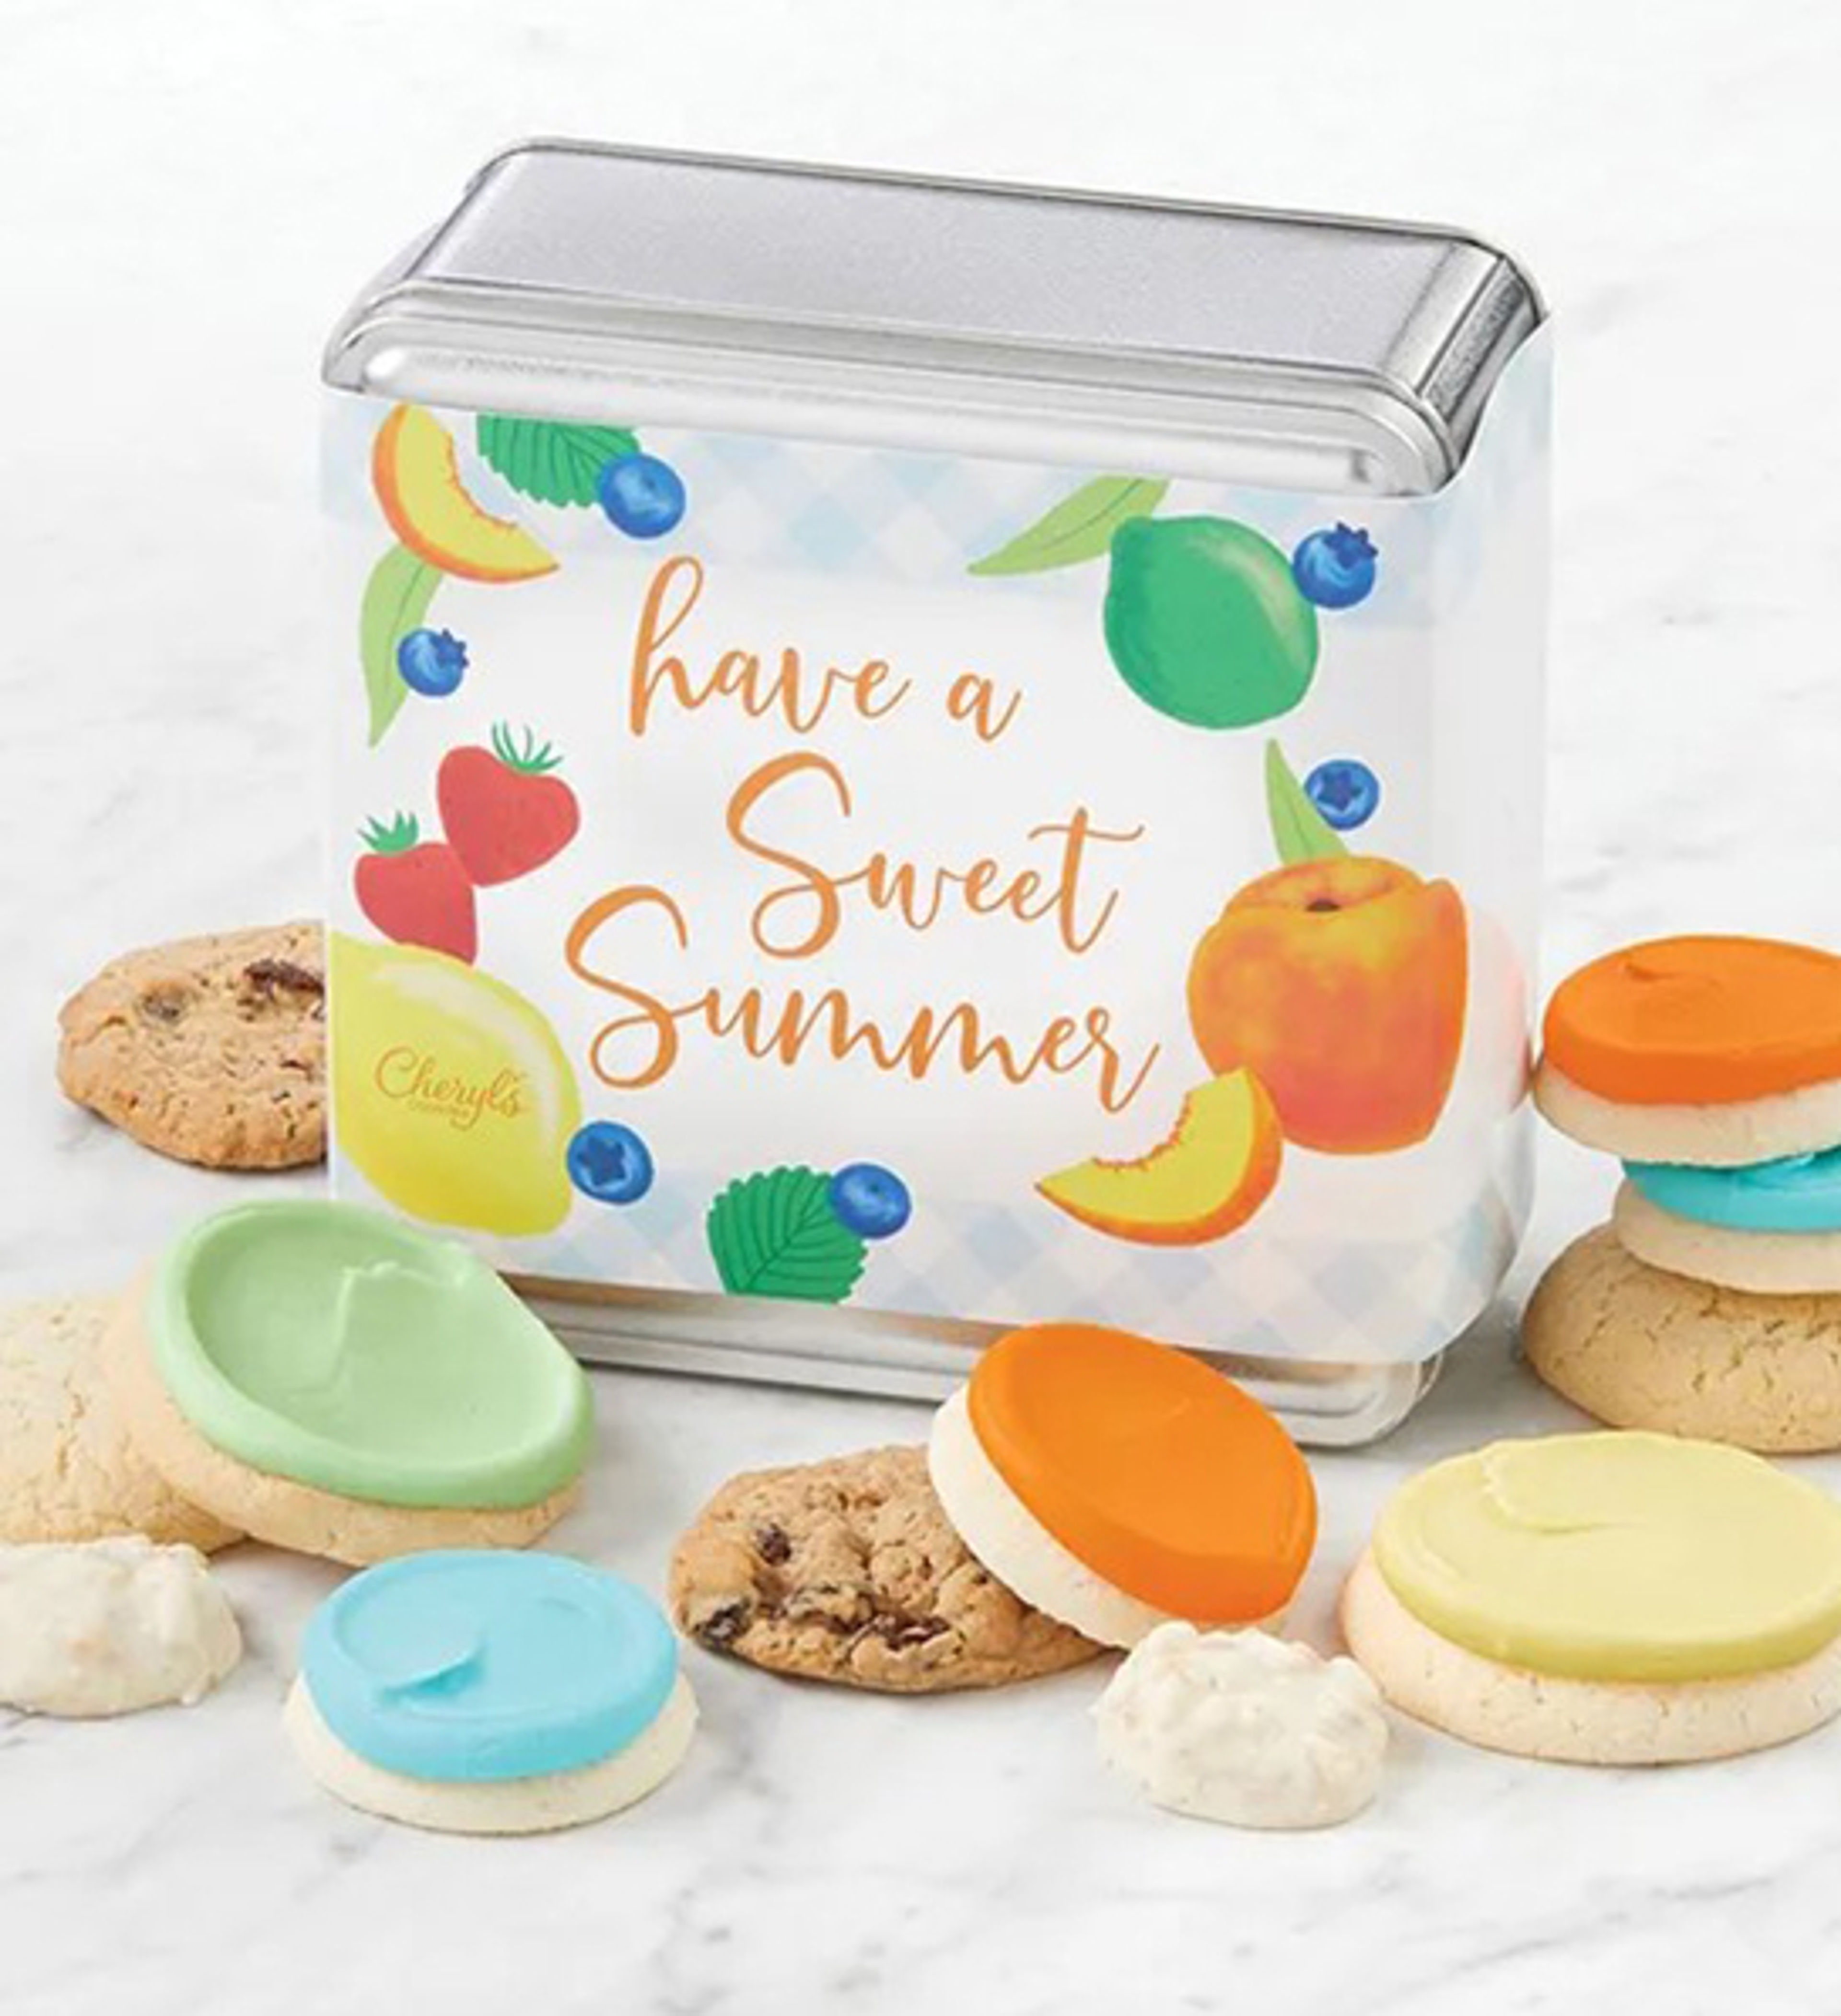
x=1347, y=792
x=431, y=662
x=609, y=1163
x=870, y=1200
x=1334, y=569
x=643, y=496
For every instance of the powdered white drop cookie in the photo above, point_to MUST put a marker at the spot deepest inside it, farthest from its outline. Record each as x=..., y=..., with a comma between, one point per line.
x=103, y=1627
x=1241, y=1727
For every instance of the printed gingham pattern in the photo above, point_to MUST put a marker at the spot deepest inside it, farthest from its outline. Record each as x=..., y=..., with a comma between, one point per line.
x=841, y=510
x=1340, y=1301
x=824, y=507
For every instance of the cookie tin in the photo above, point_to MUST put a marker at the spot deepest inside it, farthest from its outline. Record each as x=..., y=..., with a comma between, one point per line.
x=916, y=756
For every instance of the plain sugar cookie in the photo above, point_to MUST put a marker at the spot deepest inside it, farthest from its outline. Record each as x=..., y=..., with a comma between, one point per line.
x=69, y=1469
x=1756, y=1263
x=211, y=1049
x=1639, y=1348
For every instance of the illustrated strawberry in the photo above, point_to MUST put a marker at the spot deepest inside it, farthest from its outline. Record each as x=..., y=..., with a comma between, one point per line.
x=415, y=890
x=502, y=811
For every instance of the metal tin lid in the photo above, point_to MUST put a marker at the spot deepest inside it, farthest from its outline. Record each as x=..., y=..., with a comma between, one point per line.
x=1285, y=349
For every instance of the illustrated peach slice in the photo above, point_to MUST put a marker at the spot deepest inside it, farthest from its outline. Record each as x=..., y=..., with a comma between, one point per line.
x=418, y=483
x=1214, y=1170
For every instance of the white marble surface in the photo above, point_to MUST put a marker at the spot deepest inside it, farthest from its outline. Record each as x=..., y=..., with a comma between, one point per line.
x=191, y=191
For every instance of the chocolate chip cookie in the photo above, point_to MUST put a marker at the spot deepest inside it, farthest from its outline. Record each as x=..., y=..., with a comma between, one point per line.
x=848, y=1570
x=211, y=1050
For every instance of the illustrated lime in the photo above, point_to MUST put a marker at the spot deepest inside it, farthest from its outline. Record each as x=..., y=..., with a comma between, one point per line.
x=451, y=1093
x=1205, y=623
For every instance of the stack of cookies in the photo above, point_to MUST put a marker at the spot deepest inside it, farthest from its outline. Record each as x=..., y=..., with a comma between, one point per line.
x=1710, y=1305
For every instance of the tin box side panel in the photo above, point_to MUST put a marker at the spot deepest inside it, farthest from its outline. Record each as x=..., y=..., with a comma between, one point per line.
x=1489, y=721
x=930, y=564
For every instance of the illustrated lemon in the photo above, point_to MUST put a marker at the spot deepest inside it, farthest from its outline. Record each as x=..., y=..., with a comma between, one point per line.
x=451, y=1092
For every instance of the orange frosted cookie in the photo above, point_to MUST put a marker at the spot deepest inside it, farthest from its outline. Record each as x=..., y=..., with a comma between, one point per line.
x=1718, y=1051
x=1115, y=1484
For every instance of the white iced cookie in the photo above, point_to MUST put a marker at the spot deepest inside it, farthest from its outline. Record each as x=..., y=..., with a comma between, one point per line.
x=103, y=1627
x=1244, y=1728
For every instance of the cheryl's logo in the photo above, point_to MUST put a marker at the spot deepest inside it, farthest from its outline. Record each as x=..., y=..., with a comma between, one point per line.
x=416, y=1078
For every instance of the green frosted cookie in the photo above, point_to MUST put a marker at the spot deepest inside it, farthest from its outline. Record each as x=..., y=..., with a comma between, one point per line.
x=360, y=1388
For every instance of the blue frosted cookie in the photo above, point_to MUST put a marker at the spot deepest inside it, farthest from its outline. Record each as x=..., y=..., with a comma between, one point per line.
x=1768, y=1228
x=490, y=1692
x=1794, y=1193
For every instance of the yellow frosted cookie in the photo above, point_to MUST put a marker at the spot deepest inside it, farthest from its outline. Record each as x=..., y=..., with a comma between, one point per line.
x=1604, y=1599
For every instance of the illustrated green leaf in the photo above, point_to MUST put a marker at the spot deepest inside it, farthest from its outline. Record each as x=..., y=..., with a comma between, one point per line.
x=1300, y=830
x=557, y=462
x=1080, y=527
x=396, y=599
x=775, y=1233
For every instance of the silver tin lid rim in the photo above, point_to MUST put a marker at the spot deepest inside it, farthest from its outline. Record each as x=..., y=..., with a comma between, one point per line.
x=557, y=143
x=491, y=301
x=556, y=356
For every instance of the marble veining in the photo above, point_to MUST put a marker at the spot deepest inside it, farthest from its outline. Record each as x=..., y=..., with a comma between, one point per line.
x=234, y=179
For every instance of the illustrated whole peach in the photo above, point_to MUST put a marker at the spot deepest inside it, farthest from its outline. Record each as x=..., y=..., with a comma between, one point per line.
x=1340, y=982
